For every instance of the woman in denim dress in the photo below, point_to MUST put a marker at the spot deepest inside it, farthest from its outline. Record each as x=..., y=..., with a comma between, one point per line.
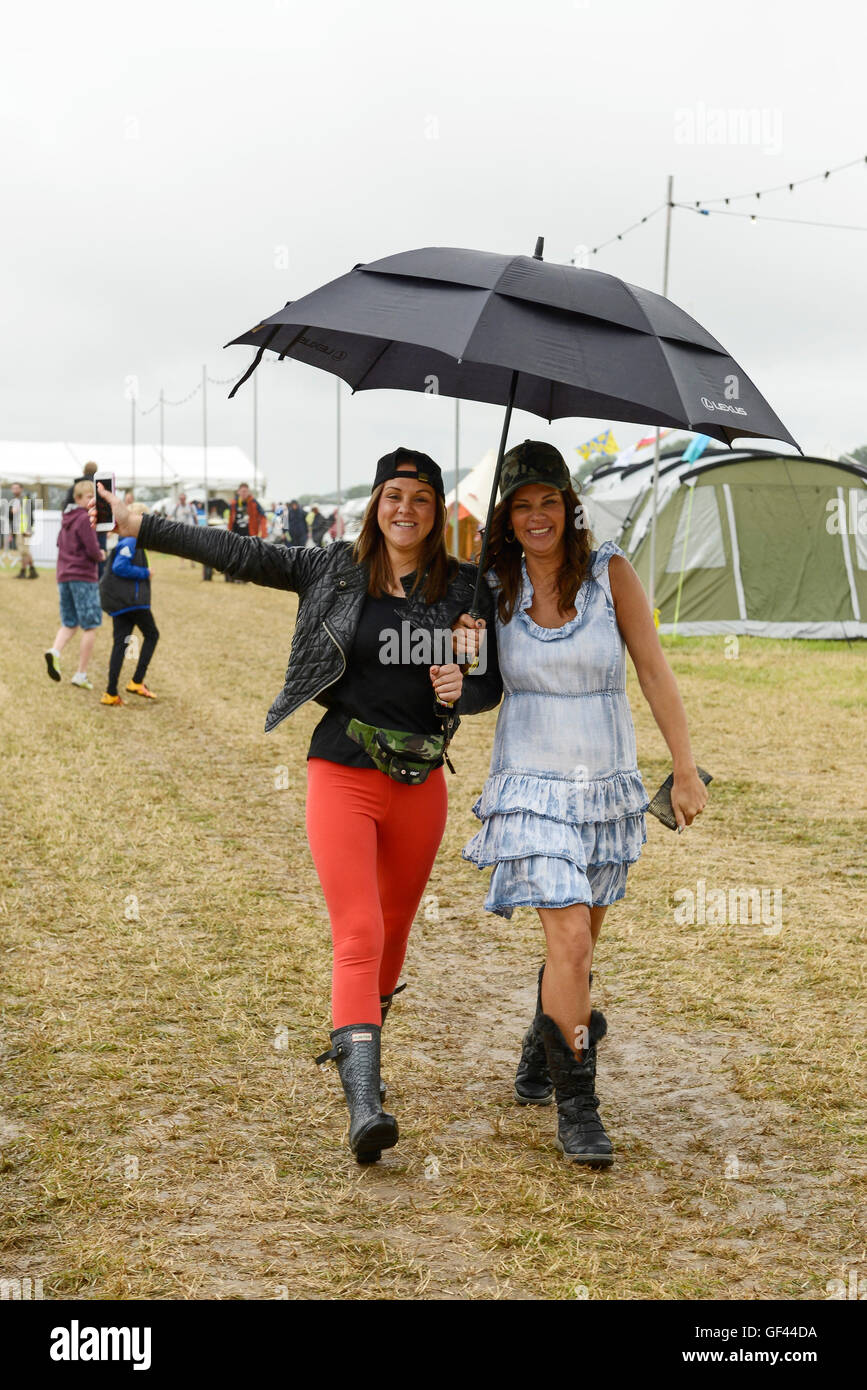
x=562, y=810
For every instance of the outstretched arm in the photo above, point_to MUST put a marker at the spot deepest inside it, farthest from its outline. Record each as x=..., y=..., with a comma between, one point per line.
x=242, y=557
x=658, y=685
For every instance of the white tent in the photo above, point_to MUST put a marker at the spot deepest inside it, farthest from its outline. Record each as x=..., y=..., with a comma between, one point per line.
x=58, y=462
x=474, y=490
x=613, y=492
x=610, y=499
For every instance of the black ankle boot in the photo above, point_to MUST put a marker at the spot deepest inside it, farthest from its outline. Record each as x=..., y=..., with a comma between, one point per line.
x=355, y=1049
x=533, y=1084
x=385, y=1005
x=581, y=1135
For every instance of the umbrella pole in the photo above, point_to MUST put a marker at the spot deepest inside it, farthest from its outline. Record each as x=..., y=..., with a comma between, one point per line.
x=492, y=501
x=456, y=534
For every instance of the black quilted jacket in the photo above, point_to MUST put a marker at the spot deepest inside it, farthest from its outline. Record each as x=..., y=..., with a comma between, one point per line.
x=331, y=588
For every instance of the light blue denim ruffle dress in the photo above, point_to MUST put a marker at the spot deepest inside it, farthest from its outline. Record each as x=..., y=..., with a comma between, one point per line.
x=562, y=810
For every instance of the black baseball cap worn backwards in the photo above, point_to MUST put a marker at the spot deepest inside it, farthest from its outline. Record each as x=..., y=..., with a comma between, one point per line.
x=426, y=470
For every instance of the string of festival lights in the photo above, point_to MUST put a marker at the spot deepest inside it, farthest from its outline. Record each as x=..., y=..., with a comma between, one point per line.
x=700, y=205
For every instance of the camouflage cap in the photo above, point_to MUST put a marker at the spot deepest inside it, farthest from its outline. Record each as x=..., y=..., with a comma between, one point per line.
x=533, y=462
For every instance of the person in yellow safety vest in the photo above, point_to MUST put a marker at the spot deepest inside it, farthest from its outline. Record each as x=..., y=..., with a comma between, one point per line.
x=20, y=515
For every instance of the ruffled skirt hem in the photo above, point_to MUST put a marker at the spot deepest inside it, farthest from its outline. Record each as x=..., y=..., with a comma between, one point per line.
x=538, y=881
x=568, y=800
x=553, y=842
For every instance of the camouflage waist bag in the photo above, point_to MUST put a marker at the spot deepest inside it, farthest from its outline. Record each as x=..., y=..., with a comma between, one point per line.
x=406, y=758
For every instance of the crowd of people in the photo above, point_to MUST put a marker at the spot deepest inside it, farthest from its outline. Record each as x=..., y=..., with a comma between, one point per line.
x=100, y=573
x=286, y=523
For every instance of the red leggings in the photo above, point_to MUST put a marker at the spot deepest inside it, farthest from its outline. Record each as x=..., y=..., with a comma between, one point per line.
x=373, y=842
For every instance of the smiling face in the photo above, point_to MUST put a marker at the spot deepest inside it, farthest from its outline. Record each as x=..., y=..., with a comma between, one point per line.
x=406, y=512
x=538, y=518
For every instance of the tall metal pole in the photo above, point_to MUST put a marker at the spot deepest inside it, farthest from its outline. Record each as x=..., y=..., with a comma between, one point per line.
x=162, y=442
x=455, y=525
x=132, y=421
x=255, y=435
x=205, y=435
x=339, y=490
x=652, y=586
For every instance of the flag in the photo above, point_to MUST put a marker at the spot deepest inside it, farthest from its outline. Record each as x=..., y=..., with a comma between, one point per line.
x=695, y=448
x=651, y=439
x=628, y=455
x=604, y=443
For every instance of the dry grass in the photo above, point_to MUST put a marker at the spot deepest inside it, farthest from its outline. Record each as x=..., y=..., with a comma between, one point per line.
x=164, y=1132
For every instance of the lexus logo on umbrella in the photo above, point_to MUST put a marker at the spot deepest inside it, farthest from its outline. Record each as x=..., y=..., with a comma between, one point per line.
x=722, y=405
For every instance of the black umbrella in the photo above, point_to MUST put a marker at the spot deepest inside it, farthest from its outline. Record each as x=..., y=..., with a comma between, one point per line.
x=517, y=331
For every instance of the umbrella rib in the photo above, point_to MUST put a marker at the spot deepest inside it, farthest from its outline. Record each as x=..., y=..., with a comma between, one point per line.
x=368, y=370
x=256, y=360
x=658, y=339
x=291, y=345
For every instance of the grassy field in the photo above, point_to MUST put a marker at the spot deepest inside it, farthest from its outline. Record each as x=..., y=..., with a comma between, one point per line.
x=165, y=978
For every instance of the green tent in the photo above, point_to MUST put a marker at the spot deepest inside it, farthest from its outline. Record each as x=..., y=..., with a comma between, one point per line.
x=754, y=543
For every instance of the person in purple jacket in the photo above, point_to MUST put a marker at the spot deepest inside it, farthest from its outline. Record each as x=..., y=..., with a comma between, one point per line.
x=125, y=591
x=78, y=557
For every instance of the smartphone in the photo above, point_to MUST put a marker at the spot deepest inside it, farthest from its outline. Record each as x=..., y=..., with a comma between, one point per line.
x=104, y=518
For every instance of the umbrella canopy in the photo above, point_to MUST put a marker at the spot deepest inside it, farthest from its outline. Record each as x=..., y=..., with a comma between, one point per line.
x=462, y=323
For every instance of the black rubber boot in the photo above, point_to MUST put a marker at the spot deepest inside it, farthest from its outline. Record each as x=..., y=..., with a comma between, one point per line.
x=385, y=1005
x=355, y=1049
x=581, y=1135
x=533, y=1084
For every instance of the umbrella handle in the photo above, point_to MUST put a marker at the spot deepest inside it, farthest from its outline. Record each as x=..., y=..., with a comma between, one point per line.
x=492, y=501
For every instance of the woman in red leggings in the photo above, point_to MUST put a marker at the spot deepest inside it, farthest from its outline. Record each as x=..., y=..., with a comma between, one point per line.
x=373, y=644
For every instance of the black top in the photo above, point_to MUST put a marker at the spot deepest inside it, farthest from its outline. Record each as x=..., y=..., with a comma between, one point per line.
x=381, y=685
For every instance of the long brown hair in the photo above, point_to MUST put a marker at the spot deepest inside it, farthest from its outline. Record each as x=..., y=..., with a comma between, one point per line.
x=504, y=555
x=435, y=567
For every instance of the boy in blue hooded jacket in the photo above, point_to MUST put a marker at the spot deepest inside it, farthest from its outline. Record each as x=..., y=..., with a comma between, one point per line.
x=125, y=594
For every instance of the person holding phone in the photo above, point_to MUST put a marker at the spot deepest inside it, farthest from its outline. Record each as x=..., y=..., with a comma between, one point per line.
x=562, y=810
x=78, y=557
x=376, y=794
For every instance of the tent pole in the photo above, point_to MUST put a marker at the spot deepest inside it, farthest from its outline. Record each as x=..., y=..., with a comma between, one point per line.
x=652, y=589
x=683, y=561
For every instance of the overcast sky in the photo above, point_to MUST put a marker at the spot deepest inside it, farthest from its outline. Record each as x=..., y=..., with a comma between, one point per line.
x=175, y=172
